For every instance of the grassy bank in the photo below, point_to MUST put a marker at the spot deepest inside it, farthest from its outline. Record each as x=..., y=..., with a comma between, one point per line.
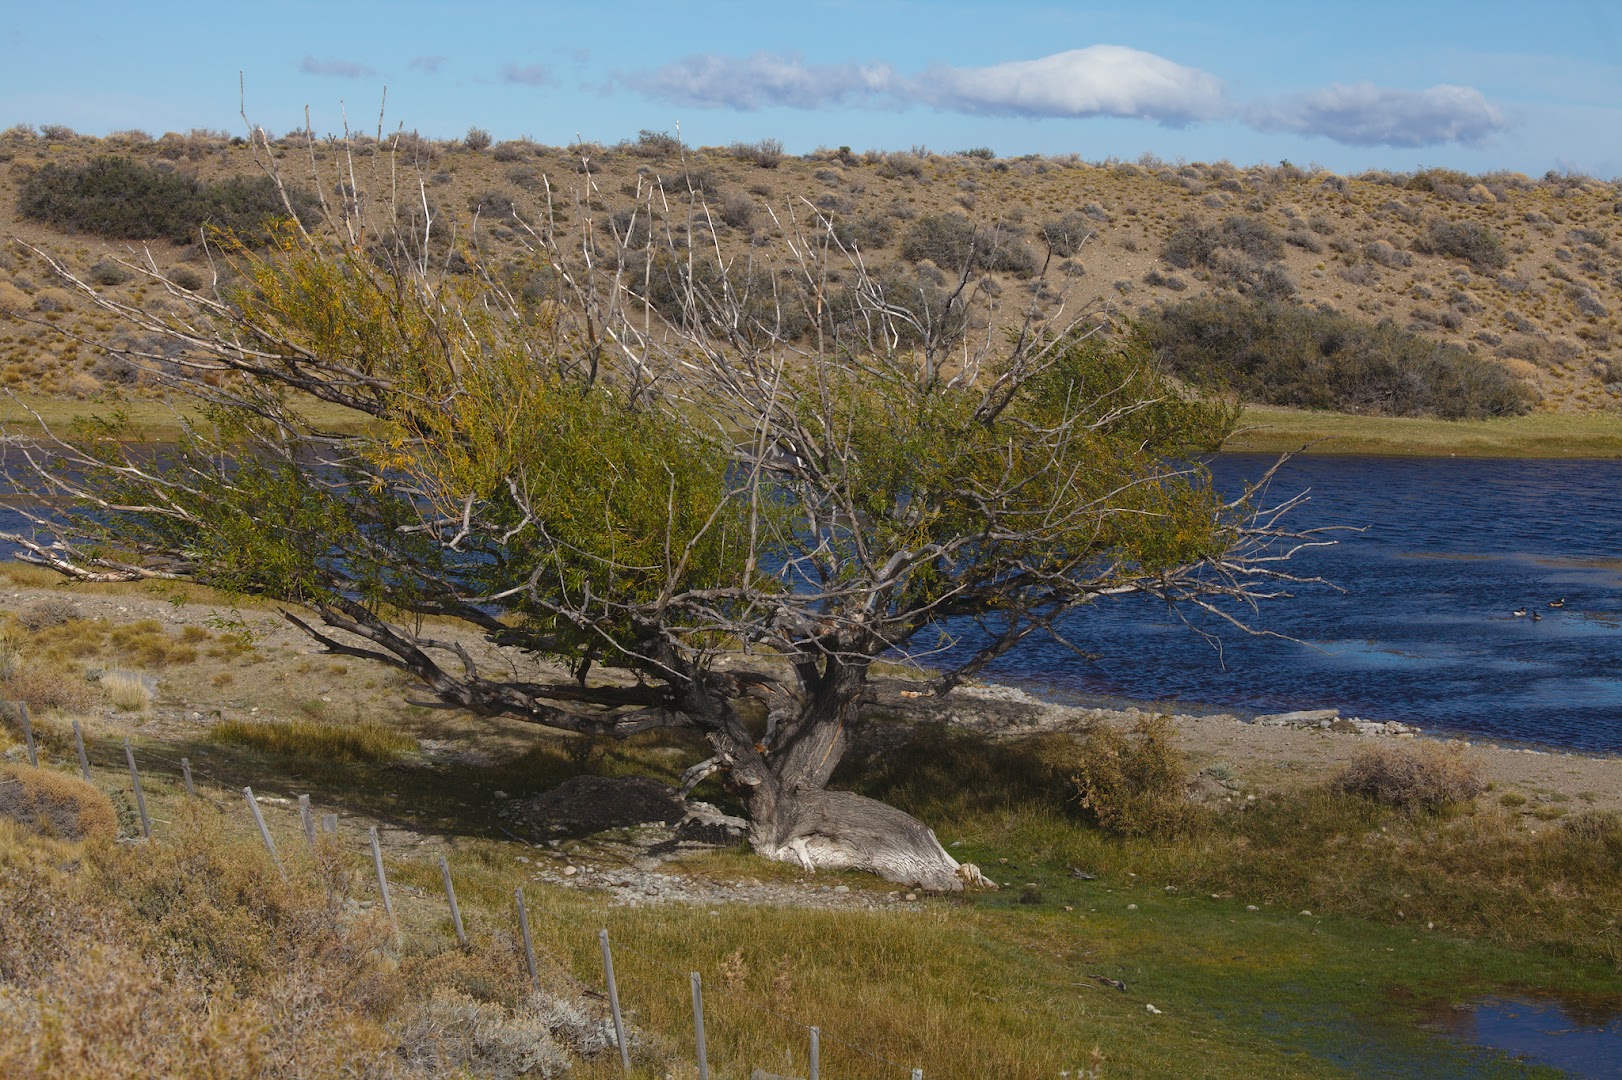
x=1538, y=435
x=151, y=421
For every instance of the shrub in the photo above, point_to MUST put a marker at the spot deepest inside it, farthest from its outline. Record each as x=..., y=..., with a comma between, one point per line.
x=1280, y=353
x=655, y=144
x=120, y=198
x=766, y=153
x=1134, y=784
x=953, y=242
x=1194, y=242
x=1423, y=776
x=107, y=272
x=56, y=804
x=1065, y=235
x=1474, y=243
x=983, y=153
x=476, y=139
x=513, y=150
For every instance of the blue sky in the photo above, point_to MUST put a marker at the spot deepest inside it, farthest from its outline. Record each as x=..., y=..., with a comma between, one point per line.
x=1374, y=84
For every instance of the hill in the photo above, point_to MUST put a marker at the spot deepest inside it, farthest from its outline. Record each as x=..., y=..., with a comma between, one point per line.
x=1515, y=282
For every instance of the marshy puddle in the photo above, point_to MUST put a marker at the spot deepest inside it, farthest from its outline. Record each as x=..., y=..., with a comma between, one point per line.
x=1580, y=1037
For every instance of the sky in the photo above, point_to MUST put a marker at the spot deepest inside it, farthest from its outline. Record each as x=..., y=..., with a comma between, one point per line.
x=1526, y=86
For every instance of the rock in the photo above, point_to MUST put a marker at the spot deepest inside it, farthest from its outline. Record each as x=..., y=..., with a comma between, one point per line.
x=1300, y=718
x=570, y=871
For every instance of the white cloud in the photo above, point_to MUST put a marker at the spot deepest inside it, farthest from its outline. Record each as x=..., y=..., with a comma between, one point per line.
x=1366, y=115
x=342, y=69
x=1102, y=80
x=528, y=75
x=764, y=80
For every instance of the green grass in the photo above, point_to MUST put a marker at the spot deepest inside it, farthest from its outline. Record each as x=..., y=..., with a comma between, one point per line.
x=1538, y=435
x=152, y=421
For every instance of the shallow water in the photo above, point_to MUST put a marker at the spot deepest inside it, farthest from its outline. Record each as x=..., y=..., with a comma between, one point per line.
x=1580, y=1041
x=1424, y=631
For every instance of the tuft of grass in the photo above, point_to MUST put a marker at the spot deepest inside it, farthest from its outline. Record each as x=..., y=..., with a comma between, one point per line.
x=1135, y=785
x=55, y=804
x=366, y=742
x=128, y=691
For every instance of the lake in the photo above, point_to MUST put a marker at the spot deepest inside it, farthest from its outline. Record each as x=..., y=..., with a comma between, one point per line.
x=1425, y=630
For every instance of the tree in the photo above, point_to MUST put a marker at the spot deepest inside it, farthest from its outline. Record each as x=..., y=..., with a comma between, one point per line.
x=708, y=521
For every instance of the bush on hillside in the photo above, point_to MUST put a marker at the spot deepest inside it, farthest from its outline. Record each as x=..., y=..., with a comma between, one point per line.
x=1474, y=243
x=1065, y=235
x=954, y=243
x=122, y=199
x=1279, y=353
x=766, y=153
x=1195, y=242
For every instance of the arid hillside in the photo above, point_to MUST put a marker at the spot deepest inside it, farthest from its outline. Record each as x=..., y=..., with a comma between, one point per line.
x=1517, y=275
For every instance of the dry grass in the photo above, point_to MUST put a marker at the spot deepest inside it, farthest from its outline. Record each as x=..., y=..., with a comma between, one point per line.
x=56, y=804
x=194, y=958
x=366, y=741
x=128, y=691
x=1419, y=776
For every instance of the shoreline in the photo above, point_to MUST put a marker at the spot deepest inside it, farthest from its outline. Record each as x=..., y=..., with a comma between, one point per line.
x=1262, y=430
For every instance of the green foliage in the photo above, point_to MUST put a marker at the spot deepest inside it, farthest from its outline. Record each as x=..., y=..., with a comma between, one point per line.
x=1471, y=241
x=120, y=198
x=1279, y=353
x=765, y=153
x=954, y=243
x=1134, y=784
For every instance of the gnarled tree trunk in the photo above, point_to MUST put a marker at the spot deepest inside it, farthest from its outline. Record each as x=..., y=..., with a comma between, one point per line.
x=794, y=818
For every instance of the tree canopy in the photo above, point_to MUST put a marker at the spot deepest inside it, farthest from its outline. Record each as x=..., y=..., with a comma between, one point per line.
x=700, y=519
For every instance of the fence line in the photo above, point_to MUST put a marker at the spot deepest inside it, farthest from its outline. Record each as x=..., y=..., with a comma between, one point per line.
x=329, y=824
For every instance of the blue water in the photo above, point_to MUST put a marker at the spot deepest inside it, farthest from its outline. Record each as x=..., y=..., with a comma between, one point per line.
x=1423, y=631
x=1581, y=1042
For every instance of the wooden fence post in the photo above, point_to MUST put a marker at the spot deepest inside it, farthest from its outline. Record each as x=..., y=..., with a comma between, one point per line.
x=140, y=799
x=264, y=832
x=698, y=1026
x=382, y=881
x=28, y=733
x=816, y=1053
x=450, y=894
x=78, y=745
x=329, y=824
x=307, y=820
x=185, y=777
x=529, y=942
x=614, y=1003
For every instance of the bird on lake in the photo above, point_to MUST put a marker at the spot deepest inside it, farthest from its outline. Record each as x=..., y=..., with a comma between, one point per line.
x=1518, y=612
x=1558, y=603
x=1537, y=617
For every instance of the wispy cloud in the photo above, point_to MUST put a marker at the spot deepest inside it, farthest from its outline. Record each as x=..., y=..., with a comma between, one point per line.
x=1366, y=115
x=338, y=69
x=1101, y=80
x=528, y=75
x=428, y=64
x=766, y=80
x=1097, y=81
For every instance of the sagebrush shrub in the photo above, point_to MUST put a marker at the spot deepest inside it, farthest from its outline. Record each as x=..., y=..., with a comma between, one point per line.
x=954, y=243
x=1280, y=353
x=1134, y=784
x=1419, y=776
x=1468, y=240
